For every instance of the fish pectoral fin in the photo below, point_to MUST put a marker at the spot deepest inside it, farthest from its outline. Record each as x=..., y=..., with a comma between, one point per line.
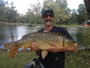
x=44, y=53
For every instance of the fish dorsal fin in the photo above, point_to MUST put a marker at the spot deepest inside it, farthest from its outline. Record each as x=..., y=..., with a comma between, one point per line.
x=44, y=53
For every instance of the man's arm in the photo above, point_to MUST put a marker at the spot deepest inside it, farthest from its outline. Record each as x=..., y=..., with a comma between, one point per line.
x=57, y=48
x=72, y=48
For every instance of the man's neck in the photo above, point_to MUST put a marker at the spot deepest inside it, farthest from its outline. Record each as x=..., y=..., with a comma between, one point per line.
x=48, y=28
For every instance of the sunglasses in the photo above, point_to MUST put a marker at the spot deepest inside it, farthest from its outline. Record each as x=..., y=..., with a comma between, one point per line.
x=48, y=15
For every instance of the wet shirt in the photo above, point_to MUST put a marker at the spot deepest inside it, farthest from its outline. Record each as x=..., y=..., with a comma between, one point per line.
x=55, y=60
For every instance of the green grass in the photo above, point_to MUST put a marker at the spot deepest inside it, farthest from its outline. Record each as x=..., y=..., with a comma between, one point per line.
x=19, y=61
x=80, y=59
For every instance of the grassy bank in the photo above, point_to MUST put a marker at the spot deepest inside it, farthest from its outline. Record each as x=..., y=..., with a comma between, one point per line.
x=81, y=59
x=28, y=24
x=19, y=24
x=19, y=61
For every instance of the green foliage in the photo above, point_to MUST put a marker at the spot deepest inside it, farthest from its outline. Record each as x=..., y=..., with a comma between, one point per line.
x=19, y=61
x=3, y=11
x=63, y=15
x=12, y=13
x=7, y=14
x=83, y=37
x=80, y=59
x=82, y=17
x=62, y=3
x=74, y=17
x=78, y=16
x=33, y=15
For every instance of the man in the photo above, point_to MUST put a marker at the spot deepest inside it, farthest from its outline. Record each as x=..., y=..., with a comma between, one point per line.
x=56, y=55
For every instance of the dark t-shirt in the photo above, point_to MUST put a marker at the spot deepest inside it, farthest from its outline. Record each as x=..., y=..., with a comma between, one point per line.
x=55, y=60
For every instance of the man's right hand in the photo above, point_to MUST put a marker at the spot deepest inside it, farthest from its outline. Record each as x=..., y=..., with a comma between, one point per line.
x=34, y=46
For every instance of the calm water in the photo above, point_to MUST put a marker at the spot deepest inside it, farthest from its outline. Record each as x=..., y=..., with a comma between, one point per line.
x=12, y=33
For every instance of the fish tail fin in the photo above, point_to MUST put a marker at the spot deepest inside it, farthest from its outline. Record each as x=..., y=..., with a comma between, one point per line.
x=13, y=48
x=13, y=52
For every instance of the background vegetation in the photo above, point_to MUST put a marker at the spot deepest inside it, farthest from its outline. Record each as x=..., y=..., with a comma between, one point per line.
x=63, y=14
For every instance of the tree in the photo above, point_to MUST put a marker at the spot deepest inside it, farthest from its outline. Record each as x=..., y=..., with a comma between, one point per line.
x=82, y=17
x=74, y=17
x=62, y=3
x=3, y=11
x=87, y=4
x=12, y=13
x=7, y=13
x=33, y=15
x=78, y=16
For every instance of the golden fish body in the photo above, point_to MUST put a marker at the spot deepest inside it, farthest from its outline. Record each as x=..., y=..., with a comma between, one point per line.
x=43, y=39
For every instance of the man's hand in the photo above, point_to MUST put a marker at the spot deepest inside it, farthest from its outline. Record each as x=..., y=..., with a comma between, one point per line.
x=34, y=46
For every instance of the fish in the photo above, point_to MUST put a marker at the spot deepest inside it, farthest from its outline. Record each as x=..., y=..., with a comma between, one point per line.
x=43, y=39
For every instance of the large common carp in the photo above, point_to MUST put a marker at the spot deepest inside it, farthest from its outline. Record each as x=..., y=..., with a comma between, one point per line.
x=43, y=39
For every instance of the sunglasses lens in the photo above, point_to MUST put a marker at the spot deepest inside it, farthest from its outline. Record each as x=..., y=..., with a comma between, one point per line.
x=50, y=15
